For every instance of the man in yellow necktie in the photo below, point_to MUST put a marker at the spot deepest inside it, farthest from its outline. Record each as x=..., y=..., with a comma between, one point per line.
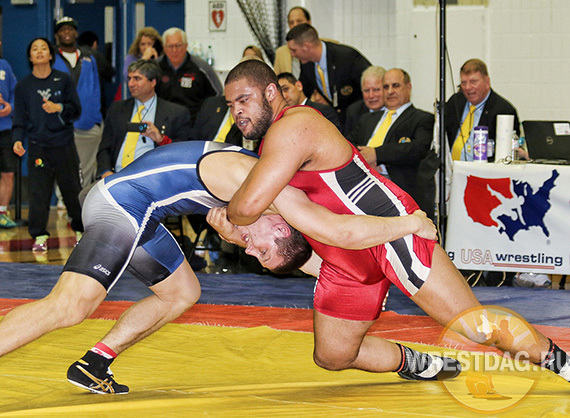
x=337, y=86
x=461, y=144
x=475, y=91
x=132, y=139
x=323, y=81
x=396, y=140
x=165, y=121
x=378, y=138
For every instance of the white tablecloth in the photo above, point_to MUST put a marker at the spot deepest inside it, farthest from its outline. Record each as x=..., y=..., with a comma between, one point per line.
x=510, y=217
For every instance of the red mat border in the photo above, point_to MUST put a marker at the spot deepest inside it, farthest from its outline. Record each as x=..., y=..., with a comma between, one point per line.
x=410, y=328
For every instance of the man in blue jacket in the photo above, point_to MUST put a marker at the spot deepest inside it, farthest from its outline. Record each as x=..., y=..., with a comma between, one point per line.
x=81, y=65
x=8, y=159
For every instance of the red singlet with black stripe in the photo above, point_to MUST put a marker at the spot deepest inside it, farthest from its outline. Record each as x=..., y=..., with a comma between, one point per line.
x=352, y=284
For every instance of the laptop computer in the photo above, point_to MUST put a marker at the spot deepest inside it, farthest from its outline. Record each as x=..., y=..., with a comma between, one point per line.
x=548, y=141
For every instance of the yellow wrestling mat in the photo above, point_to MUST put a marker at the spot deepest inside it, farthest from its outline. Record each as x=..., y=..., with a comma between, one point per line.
x=195, y=370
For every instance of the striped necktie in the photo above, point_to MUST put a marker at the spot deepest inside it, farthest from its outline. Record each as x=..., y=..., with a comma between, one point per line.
x=131, y=141
x=323, y=82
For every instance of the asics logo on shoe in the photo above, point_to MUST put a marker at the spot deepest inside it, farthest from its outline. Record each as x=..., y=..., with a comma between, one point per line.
x=102, y=269
x=98, y=384
x=81, y=375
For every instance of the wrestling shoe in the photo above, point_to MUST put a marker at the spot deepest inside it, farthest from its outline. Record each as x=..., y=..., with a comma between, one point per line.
x=423, y=366
x=6, y=222
x=531, y=280
x=82, y=374
x=40, y=244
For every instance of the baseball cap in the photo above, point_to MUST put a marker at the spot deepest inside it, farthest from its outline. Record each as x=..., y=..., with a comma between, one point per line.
x=66, y=20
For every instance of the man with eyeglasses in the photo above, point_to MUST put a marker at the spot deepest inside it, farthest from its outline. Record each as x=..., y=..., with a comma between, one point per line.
x=186, y=79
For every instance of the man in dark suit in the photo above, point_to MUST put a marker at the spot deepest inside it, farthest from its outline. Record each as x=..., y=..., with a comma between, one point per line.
x=165, y=121
x=330, y=72
x=214, y=123
x=372, y=97
x=476, y=105
x=397, y=139
x=292, y=90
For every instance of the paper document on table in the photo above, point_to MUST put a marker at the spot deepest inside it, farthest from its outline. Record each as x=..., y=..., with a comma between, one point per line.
x=562, y=128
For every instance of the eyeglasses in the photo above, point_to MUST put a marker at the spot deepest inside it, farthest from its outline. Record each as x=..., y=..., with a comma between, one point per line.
x=175, y=46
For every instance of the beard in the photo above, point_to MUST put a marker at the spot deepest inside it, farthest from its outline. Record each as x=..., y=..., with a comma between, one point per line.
x=264, y=121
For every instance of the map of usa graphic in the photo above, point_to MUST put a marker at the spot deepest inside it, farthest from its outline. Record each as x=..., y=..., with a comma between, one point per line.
x=524, y=208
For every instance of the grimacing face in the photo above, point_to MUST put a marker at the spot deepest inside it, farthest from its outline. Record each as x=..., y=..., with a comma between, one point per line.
x=250, y=109
x=260, y=240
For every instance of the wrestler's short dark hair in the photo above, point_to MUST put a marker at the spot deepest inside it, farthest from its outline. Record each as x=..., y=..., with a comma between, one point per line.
x=295, y=251
x=255, y=72
x=149, y=68
x=51, y=47
x=303, y=33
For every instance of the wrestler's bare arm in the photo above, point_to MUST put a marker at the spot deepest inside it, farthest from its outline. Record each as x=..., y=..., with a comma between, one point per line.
x=313, y=266
x=301, y=140
x=285, y=150
x=352, y=232
x=217, y=217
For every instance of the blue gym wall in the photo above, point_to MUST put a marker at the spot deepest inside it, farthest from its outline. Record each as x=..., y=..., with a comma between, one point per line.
x=22, y=23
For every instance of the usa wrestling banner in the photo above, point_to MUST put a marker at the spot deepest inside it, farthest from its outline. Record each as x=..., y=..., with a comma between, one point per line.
x=510, y=217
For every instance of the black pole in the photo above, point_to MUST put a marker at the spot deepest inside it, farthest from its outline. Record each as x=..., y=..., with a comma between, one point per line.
x=441, y=119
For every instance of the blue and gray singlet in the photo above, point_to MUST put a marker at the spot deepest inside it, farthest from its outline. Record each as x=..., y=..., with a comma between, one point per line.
x=122, y=214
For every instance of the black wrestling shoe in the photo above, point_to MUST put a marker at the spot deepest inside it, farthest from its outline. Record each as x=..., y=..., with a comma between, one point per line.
x=438, y=368
x=82, y=375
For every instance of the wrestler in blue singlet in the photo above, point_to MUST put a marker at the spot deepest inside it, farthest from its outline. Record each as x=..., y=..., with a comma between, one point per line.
x=122, y=214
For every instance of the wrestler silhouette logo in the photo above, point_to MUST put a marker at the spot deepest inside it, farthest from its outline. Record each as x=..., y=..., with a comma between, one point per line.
x=509, y=206
x=491, y=381
x=500, y=337
x=480, y=386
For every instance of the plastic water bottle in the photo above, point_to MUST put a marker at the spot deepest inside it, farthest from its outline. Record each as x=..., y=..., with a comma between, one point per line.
x=210, y=56
x=515, y=146
x=490, y=150
x=522, y=137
